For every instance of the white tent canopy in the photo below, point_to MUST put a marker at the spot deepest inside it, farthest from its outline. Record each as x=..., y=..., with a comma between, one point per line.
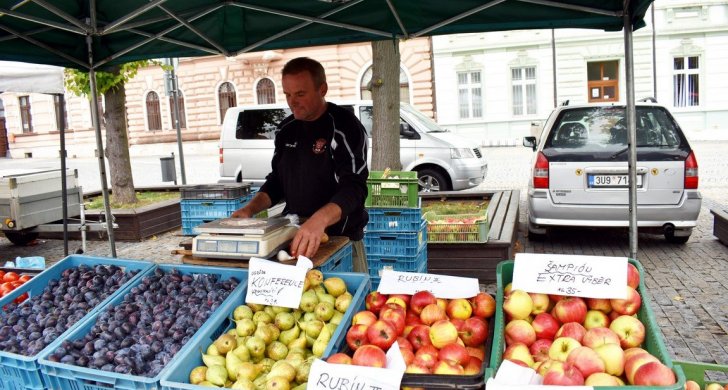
x=30, y=78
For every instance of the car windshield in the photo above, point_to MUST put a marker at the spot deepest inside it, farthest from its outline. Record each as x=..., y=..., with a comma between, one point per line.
x=604, y=129
x=430, y=125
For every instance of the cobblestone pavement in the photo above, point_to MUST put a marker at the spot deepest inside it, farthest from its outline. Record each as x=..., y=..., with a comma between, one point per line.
x=687, y=284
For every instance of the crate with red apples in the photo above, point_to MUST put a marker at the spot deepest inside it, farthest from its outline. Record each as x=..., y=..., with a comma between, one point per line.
x=574, y=341
x=445, y=343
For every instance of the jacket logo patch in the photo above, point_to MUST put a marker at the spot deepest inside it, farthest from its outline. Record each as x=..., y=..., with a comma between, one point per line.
x=319, y=146
x=293, y=145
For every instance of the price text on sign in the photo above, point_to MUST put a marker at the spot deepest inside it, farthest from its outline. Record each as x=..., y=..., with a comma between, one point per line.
x=582, y=276
x=441, y=286
x=271, y=283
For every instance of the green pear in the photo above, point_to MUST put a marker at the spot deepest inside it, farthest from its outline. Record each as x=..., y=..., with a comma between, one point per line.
x=298, y=343
x=248, y=370
x=213, y=360
x=243, y=384
x=255, y=307
x=297, y=314
x=242, y=311
x=283, y=369
x=262, y=316
x=232, y=364
x=274, y=331
x=264, y=333
x=232, y=332
x=266, y=364
x=335, y=286
x=226, y=342
x=308, y=301
x=281, y=309
x=315, y=277
x=284, y=320
x=260, y=382
x=302, y=386
x=242, y=352
x=332, y=328
x=324, y=311
x=271, y=312
x=244, y=327
x=212, y=350
x=309, y=316
x=197, y=374
x=206, y=384
x=312, y=328
x=302, y=371
x=256, y=346
x=217, y=375
x=276, y=350
x=319, y=291
x=343, y=302
x=289, y=335
x=336, y=318
x=277, y=383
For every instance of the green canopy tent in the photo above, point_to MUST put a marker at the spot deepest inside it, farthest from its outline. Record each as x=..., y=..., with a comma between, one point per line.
x=89, y=34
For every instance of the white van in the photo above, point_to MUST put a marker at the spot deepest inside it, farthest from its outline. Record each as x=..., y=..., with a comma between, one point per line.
x=444, y=161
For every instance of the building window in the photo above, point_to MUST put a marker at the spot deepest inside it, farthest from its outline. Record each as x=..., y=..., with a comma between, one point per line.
x=266, y=91
x=603, y=81
x=25, y=119
x=686, y=81
x=523, y=82
x=470, y=95
x=226, y=98
x=61, y=112
x=181, y=106
x=365, y=88
x=154, y=115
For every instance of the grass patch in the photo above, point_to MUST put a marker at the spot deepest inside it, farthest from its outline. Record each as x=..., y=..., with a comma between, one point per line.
x=143, y=198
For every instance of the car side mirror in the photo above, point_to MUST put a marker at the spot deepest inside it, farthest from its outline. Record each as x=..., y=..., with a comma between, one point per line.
x=406, y=131
x=530, y=142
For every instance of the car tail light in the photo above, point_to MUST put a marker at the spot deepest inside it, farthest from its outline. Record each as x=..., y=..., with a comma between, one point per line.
x=691, y=172
x=541, y=172
x=221, y=159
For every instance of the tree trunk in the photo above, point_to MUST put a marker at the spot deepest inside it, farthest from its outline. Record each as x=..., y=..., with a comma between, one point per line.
x=385, y=110
x=117, y=145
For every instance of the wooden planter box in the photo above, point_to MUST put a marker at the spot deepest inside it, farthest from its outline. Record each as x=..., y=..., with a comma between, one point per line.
x=720, y=225
x=478, y=259
x=134, y=224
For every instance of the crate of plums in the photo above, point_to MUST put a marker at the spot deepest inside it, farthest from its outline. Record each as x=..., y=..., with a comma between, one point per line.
x=259, y=346
x=139, y=334
x=39, y=313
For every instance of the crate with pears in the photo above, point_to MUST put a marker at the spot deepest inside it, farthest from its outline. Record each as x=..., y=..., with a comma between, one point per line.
x=259, y=346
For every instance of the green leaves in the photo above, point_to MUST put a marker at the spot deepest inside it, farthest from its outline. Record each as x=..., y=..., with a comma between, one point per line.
x=78, y=82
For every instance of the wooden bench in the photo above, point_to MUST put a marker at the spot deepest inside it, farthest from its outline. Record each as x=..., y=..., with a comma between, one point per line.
x=720, y=224
x=478, y=259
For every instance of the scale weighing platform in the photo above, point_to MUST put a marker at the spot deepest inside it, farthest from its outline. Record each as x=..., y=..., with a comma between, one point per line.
x=242, y=238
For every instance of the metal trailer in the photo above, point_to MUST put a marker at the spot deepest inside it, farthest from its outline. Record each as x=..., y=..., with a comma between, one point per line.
x=31, y=203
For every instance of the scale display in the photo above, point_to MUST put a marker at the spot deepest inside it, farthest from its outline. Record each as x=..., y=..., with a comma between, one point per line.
x=232, y=244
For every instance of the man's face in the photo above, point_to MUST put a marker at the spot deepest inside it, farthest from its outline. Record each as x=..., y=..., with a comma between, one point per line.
x=305, y=100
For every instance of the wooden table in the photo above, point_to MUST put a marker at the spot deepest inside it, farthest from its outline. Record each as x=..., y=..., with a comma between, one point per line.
x=324, y=252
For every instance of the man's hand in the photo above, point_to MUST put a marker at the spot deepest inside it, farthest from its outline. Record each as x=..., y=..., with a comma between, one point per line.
x=242, y=213
x=308, y=238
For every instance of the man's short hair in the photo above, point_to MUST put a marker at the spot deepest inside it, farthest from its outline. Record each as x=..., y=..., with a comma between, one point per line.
x=305, y=64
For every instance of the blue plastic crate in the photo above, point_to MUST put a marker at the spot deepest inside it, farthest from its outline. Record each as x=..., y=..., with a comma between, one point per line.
x=59, y=376
x=341, y=261
x=396, y=244
x=397, y=263
x=189, y=225
x=177, y=377
x=216, y=209
x=394, y=220
x=23, y=372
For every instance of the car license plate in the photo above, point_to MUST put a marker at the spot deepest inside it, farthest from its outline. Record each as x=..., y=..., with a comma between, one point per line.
x=596, y=181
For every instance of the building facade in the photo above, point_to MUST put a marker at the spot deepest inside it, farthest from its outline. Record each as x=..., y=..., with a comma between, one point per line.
x=491, y=87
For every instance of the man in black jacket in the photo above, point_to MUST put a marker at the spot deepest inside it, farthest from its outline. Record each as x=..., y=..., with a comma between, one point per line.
x=319, y=165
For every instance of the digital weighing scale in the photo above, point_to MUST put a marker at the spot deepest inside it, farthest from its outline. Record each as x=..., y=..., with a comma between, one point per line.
x=242, y=238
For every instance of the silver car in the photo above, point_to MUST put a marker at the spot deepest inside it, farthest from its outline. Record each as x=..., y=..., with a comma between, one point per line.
x=580, y=173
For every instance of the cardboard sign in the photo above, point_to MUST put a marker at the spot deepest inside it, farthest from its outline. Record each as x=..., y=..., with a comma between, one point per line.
x=325, y=376
x=441, y=286
x=511, y=376
x=271, y=283
x=573, y=275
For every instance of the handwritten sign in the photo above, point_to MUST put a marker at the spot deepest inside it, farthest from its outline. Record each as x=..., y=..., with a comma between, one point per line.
x=271, y=283
x=325, y=376
x=573, y=275
x=511, y=376
x=441, y=286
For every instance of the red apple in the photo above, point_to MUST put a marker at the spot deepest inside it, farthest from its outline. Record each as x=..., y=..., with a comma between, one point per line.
x=374, y=301
x=540, y=349
x=613, y=357
x=419, y=336
x=595, y=337
x=653, y=374
x=455, y=353
x=382, y=334
x=565, y=375
x=339, y=358
x=596, y=319
x=541, y=303
x=426, y=355
x=518, y=305
x=630, y=330
x=629, y=305
x=473, y=367
x=394, y=317
x=561, y=347
x=572, y=329
x=404, y=343
x=405, y=297
x=601, y=304
x=586, y=360
x=446, y=367
x=458, y=324
x=633, y=276
x=692, y=385
x=411, y=318
x=570, y=309
x=542, y=367
x=369, y=355
x=442, y=303
x=518, y=352
x=459, y=308
x=432, y=313
x=442, y=333
x=634, y=362
x=545, y=326
x=397, y=301
x=477, y=352
x=364, y=317
x=601, y=379
x=519, y=331
x=417, y=368
x=357, y=336
x=407, y=355
x=474, y=332
x=419, y=300
x=483, y=305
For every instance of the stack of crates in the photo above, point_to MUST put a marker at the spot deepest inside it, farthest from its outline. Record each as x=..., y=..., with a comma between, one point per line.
x=208, y=202
x=396, y=235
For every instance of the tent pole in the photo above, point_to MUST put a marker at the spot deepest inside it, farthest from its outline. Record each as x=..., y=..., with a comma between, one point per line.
x=631, y=126
x=64, y=195
x=100, y=146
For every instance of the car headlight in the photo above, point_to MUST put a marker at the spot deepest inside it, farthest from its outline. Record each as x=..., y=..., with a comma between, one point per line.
x=461, y=153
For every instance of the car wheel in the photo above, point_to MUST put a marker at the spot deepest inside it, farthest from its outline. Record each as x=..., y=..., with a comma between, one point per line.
x=536, y=234
x=21, y=238
x=430, y=180
x=671, y=238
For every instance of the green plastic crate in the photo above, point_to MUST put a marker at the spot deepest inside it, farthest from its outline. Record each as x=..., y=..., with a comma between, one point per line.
x=398, y=189
x=696, y=371
x=653, y=343
x=441, y=231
